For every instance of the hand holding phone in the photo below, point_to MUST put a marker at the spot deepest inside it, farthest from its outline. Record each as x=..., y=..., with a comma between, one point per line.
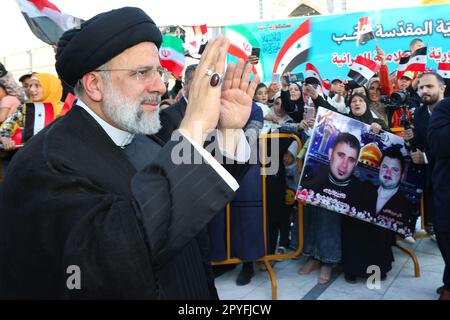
x=310, y=113
x=256, y=51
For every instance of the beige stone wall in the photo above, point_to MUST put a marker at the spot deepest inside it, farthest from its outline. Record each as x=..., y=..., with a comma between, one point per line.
x=279, y=9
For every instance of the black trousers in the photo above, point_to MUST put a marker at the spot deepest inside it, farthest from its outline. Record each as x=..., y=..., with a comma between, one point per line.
x=443, y=240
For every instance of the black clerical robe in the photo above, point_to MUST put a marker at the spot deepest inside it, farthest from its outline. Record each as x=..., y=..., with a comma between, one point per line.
x=71, y=198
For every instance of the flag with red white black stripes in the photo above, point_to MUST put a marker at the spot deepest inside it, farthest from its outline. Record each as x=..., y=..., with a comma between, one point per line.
x=362, y=70
x=46, y=21
x=416, y=62
x=313, y=77
x=365, y=31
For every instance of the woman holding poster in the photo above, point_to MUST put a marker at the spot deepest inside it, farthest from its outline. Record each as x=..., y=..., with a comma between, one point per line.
x=365, y=244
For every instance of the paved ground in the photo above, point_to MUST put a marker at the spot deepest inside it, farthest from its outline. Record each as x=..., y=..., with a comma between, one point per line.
x=399, y=285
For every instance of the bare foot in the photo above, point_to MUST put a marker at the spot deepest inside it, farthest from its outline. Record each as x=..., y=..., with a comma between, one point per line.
x=325, y=274
x=309, y=267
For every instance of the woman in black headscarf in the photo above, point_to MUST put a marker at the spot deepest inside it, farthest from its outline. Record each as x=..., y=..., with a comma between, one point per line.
x=292, y=100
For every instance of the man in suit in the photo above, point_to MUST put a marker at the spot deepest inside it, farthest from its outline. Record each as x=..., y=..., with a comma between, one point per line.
x=438, y=133
x=77, y=218
x=391, y=202
x=431, y=87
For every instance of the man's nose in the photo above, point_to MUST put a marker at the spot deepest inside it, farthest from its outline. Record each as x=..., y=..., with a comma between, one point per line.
x=156, y=85
x=345, y=164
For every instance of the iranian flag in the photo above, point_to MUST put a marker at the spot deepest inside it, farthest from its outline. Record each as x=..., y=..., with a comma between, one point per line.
x=295, y=50
x=242, y=42
x=46, y=21
x=171, y=55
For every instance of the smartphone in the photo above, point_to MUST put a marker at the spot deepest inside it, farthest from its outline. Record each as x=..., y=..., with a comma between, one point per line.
x=288, y=79
x=310, y=113
x=297, y=77
x=256, y=51
x=276, y=78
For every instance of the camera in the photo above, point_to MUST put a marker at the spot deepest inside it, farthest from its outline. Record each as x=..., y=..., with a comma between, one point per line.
x=398, y=99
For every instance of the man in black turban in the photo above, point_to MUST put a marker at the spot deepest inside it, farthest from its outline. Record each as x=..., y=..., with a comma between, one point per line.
x=84, y=213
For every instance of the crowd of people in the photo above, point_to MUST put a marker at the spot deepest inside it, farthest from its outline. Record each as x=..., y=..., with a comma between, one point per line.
x=104, y=193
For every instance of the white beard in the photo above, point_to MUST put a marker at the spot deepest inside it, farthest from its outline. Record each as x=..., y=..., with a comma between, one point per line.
x=127, y=114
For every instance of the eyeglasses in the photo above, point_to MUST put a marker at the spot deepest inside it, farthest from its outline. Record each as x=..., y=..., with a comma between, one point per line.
x=145, y=74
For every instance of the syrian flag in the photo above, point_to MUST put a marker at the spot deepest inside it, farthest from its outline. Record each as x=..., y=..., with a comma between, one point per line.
x=444, y=70
x=402, y=65
x=46, y=21
x=313, y=77
x=201, y=34
x=242, y=42
x=171, y=55
x=362, y=70
x=416, y=62
x=39, y=115
x=295, y=50
x=195, y=48
x=365, y=31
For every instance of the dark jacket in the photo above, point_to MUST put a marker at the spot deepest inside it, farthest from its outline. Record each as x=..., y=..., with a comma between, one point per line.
x=171, y=118
x=71, y=197
x=438, y=140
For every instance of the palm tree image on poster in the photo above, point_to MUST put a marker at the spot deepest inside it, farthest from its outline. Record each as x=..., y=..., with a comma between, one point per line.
x=352, y=171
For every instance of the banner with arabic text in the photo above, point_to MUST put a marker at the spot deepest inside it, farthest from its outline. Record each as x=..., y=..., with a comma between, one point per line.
x=331, y=40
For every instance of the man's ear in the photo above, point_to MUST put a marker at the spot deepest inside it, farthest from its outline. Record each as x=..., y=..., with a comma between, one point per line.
x=330, y=151
x=93, y=86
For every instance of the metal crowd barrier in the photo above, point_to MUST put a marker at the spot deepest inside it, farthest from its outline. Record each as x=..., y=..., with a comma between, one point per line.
x=266, y=259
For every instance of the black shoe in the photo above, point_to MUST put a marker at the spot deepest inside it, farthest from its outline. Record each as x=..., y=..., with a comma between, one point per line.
x=429, y=228
x=350, y=278
x=221, y=269
x=246, y=274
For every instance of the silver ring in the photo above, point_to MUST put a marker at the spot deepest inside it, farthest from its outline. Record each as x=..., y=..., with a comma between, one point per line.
x=209, y=72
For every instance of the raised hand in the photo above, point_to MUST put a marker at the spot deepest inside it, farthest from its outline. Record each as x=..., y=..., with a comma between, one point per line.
x=381, y=55
x=204, y=106
x=311, y=92
x=237, y=95
x=273, y=89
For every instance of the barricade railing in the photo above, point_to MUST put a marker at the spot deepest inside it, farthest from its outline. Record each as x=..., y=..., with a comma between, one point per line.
x=267, y=258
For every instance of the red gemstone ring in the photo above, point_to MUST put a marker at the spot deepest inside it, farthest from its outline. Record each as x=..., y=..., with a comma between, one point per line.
x=216, y=79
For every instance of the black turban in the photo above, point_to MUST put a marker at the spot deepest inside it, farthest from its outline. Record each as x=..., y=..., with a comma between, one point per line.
x=100, y=39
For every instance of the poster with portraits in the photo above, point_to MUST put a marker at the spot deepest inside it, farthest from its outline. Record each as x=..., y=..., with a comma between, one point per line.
x=353, y=171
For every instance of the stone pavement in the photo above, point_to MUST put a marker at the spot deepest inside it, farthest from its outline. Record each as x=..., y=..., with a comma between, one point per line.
x=399, y=285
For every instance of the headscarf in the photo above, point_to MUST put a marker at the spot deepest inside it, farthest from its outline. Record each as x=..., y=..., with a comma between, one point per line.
x=52, y=89
x=367, y=117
